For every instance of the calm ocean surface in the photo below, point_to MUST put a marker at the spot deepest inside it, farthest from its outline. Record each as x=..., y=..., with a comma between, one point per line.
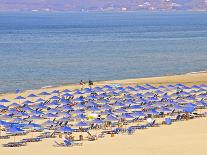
x=41, y=49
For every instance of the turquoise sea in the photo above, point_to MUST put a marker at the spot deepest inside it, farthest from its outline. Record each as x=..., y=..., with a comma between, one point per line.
x=49, y=49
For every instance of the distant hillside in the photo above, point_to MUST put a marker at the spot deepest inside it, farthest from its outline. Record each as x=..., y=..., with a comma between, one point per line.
x=101, y=5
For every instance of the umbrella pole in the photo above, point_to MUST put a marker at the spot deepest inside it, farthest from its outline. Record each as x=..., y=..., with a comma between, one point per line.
x=14, y=138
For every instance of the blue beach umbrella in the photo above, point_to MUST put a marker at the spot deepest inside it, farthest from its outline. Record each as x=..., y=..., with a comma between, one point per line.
x=4, y=101
x=2, y=107
x=65, y=129
x=81, y=124
x=20, y=98
x=55, y=98
x=67, y=91
x=111, y=118
x=32, y=96
x=44, y=93
x=97, y=121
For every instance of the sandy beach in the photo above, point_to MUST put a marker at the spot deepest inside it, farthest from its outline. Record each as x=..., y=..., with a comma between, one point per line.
x=183, y=137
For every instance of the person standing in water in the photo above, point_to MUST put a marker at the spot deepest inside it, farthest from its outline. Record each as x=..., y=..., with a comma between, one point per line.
x=90, y=83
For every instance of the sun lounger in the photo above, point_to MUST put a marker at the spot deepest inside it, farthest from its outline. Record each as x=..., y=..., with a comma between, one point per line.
x=31, y=139
x=67, y=143
x=4, y=137
x=14, y=144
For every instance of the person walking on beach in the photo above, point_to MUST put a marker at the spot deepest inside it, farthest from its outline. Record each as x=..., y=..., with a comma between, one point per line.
x=90, y=83
x=81, y=84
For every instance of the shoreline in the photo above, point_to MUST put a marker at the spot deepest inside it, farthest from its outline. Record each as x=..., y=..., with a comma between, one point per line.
x=188, y=79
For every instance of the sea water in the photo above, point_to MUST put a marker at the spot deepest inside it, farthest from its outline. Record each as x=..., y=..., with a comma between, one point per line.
x=49, y=49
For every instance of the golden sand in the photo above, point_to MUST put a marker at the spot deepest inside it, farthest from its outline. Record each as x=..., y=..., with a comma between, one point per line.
x=185, y=137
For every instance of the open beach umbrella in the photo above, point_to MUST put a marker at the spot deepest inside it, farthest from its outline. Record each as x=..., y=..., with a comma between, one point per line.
x=32, y=96
x=81, y=124
x=2, y=107
x=55, y=98
x=14, y=130
x=4, y=101
x=97, y=121
x=65, y=129
x=19, y=98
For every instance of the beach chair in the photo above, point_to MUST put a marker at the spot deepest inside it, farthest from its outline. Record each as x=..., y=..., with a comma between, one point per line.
x=130, y=130
x=37, y=139
x=67, y=143
x=14, y=144
x=4, y=137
